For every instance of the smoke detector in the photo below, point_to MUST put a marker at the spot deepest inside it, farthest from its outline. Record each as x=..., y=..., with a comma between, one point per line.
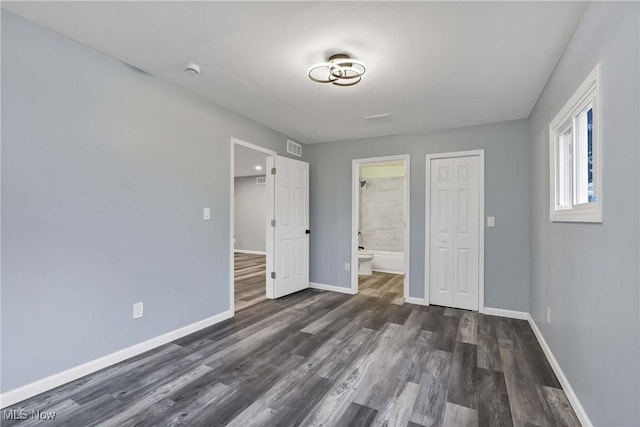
x=192, y=68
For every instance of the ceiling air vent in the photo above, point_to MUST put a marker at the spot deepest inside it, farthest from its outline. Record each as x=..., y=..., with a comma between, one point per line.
x=377, y=116
x=294, y=148
x=261, y=180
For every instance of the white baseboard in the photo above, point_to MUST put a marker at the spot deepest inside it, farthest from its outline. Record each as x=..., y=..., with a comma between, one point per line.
x=246, y=251
x=564, y=382
x=512, y=314
x=417, y=301
x=29, y=390
x=331, y=288
x=390, y=271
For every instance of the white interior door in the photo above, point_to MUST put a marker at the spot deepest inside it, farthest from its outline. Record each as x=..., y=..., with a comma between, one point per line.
x=454, y=226
x=290, y=261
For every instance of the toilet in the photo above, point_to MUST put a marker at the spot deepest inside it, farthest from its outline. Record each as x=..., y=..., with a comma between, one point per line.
x=364, y=263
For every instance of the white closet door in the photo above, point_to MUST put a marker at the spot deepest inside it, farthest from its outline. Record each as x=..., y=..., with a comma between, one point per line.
x=441, y=232
x=454, y=232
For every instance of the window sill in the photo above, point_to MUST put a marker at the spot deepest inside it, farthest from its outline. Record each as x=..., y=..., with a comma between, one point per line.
x=588, y=214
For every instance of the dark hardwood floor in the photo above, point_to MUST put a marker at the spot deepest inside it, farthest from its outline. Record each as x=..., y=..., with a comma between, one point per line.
x=318, y=358
x=250, y=280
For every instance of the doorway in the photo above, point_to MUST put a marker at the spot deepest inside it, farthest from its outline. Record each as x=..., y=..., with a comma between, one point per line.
x=380, y=227
x=271, y=257
x=454, y=228
x=249, y=224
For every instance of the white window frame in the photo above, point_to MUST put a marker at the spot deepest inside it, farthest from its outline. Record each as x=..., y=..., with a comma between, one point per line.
x=587, y=94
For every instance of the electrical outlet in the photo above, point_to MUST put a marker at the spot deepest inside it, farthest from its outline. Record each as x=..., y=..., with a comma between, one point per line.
x=491, y=221
x=347, y=266
x=138, y=310
x=206, y=214
x=549, y=315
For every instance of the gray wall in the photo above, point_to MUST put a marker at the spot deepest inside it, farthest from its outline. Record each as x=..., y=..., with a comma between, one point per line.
x=507, y=246
x=250, y=225
x=105, y=171
x=588, y=273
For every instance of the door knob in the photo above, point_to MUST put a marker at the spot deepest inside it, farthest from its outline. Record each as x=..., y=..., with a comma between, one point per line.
x=307, y=231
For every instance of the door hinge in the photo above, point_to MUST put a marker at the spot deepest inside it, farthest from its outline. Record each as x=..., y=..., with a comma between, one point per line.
x=273, y=171
x=273, y=222
x=273, y=274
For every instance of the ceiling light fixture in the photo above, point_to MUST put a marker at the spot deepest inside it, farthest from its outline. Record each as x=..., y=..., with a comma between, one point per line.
x=258, y=167
x=340, y=70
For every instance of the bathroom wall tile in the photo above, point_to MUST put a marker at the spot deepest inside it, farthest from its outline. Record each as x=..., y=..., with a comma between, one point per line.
x=382, y=214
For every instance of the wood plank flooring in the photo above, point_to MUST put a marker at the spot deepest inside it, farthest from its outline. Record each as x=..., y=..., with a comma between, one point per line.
x=250, y=281
x=383, y=285
x=318, y=358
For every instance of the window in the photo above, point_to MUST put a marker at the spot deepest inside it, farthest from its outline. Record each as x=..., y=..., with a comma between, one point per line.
x=575, y=156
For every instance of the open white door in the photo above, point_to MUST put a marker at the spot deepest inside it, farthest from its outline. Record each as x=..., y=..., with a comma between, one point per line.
x=290, y=261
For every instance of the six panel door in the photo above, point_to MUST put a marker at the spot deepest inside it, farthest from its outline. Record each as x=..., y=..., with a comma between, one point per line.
x=454, y=198
x=291, y=206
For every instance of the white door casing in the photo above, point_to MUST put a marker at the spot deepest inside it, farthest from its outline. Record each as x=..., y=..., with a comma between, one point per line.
x=290, y=261
x=455, y=203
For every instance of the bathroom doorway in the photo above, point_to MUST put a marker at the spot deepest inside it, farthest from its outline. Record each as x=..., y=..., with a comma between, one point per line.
x=380, y=227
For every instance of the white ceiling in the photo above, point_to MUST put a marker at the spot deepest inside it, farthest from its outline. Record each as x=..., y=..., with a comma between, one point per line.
x=245, y=161
x=431, y=65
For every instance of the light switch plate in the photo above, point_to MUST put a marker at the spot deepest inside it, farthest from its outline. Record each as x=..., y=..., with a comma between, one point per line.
x=491, y=221
x=138, y=310
x=206, y=214
x=347, y=266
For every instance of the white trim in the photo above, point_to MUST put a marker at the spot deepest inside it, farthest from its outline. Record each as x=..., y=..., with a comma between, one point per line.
x=481, y=224
x=246, y=251
x=271, y=235
x=564, y=382
x=417, y=301
x=234, y=142
x=355, y=220
x=512, y=314
x=332, y=288
x=588, y=212
x=29, y=390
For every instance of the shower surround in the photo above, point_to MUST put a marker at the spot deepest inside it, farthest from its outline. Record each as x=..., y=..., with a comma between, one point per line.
x=382, y=214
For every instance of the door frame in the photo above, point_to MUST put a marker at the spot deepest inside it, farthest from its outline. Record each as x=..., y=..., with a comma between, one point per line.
x=355, y=217
x=269, y=247
x=427, y=217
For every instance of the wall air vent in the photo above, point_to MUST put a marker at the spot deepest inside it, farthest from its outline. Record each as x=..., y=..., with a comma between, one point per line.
x=261, y=180
x=294, y=148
